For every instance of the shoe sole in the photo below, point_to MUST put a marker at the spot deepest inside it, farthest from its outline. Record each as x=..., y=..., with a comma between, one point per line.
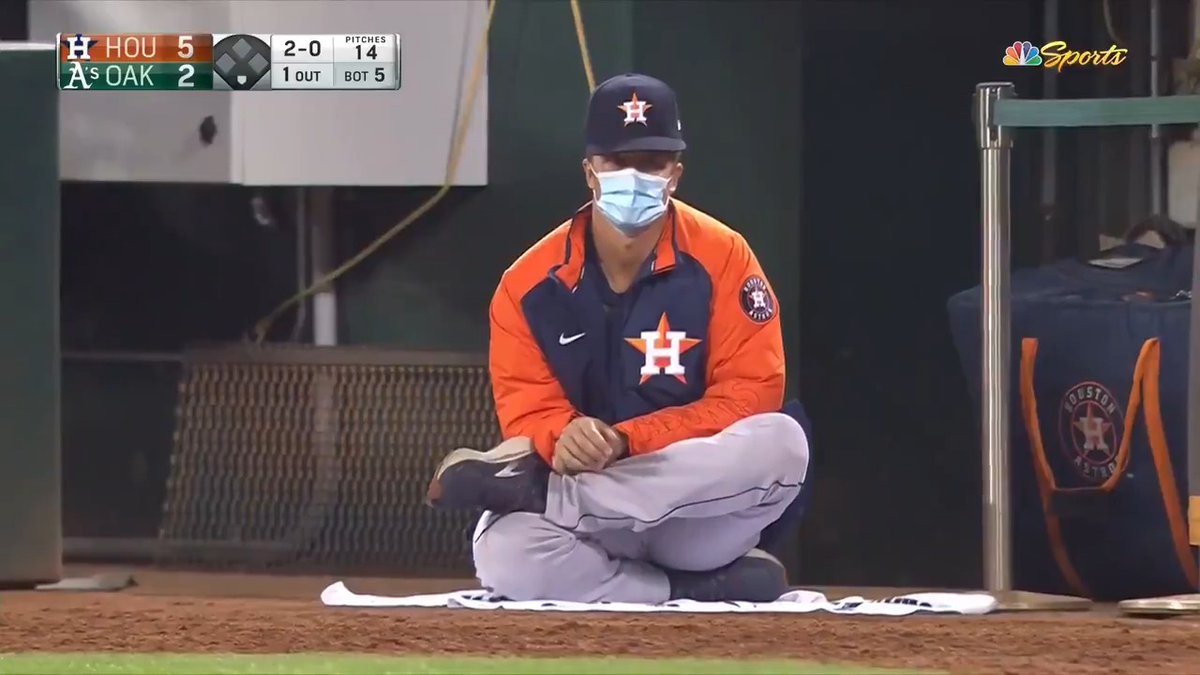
x=763, y=555
x=497, y=455
x=781, y=570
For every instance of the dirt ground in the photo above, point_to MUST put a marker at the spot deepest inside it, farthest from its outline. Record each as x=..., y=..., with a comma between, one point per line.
x=176, y=612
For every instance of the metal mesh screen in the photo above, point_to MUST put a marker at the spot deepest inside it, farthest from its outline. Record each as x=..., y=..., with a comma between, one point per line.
x=317, y=458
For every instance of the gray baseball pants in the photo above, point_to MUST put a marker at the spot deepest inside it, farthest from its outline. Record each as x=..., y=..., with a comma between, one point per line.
x=696, y=505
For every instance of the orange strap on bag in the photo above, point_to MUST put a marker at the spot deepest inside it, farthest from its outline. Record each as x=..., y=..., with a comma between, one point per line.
x=1144, y=394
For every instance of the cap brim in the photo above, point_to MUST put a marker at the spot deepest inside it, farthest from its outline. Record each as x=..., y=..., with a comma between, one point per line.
x=649, y=144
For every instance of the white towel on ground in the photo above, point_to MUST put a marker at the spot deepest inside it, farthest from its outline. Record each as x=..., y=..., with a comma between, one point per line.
x=793, y=602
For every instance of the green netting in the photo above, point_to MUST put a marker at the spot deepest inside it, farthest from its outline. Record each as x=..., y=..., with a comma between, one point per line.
x=317, y=459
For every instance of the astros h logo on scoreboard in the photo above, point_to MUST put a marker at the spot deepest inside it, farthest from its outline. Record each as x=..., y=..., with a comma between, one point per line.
x=79, y=47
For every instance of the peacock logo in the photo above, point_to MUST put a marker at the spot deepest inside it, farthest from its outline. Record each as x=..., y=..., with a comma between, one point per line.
x=1022, y=54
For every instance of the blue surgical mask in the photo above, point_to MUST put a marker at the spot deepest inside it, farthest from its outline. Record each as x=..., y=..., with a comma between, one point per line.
x=631, y=200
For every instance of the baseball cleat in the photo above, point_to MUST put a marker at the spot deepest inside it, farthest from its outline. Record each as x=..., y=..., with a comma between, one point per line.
x=757, y=576
x=510, y=477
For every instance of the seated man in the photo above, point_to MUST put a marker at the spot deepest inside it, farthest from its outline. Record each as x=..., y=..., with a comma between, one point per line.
x=637, y=367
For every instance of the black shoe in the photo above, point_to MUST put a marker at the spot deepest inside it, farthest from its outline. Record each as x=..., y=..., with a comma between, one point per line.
x=510, y=477
x=755, y=577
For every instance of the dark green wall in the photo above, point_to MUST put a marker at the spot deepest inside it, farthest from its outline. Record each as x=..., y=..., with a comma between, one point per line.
x=891, y=231
x=30, y=527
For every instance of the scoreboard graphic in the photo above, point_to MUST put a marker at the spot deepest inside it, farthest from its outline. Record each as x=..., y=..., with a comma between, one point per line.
x=227, y=62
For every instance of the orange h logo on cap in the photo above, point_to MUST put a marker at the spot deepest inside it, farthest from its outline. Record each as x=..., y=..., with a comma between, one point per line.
x=635, y=110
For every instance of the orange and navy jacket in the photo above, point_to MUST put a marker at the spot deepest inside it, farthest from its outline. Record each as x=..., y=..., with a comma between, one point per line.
x=564, y=345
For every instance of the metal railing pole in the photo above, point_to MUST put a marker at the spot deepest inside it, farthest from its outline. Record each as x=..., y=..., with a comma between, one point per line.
x=995, y=150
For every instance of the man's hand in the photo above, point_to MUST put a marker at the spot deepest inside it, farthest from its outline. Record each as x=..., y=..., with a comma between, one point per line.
x=586, y=444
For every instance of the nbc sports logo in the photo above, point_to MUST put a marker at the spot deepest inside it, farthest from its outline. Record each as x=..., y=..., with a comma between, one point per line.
x=1022, y=54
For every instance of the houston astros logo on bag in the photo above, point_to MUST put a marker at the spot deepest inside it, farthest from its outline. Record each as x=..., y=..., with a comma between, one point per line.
x=1090, y=424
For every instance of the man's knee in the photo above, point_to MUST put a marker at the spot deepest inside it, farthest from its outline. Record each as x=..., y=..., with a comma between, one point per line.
x=779, y=446
x=519, y=556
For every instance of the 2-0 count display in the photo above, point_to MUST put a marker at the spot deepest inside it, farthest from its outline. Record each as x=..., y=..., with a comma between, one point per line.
x=313, y=49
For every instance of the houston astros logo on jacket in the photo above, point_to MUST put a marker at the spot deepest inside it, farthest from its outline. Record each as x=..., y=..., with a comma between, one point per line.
x=700, y=307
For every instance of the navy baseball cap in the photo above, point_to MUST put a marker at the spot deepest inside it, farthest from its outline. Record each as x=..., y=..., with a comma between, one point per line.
x=633, y=113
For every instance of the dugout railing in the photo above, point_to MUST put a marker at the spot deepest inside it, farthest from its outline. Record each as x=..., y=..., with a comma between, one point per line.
x=998, y=112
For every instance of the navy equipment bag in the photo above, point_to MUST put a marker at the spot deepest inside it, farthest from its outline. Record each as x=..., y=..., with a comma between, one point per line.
x=1099, y=421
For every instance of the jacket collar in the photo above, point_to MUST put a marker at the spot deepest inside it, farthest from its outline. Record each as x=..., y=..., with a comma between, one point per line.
x=570, y=271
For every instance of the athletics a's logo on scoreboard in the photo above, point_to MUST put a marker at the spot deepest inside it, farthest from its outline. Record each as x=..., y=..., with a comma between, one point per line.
x=79, y=48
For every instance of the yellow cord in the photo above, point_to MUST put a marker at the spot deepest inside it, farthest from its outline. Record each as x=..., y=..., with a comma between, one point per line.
x=581, y=38
x=464, y=122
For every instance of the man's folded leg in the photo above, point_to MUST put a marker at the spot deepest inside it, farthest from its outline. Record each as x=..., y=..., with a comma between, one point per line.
x=522, y=556
x=754, y=467
x=700, y=502
x=745, y=475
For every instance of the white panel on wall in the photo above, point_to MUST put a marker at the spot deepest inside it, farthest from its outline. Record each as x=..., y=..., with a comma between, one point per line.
x=331, y=137
x=399, y=137
x=1183, y=182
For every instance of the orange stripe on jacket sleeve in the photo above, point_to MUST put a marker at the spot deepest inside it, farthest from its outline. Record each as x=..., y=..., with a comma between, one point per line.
x=529, y=400
x=745, y=364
